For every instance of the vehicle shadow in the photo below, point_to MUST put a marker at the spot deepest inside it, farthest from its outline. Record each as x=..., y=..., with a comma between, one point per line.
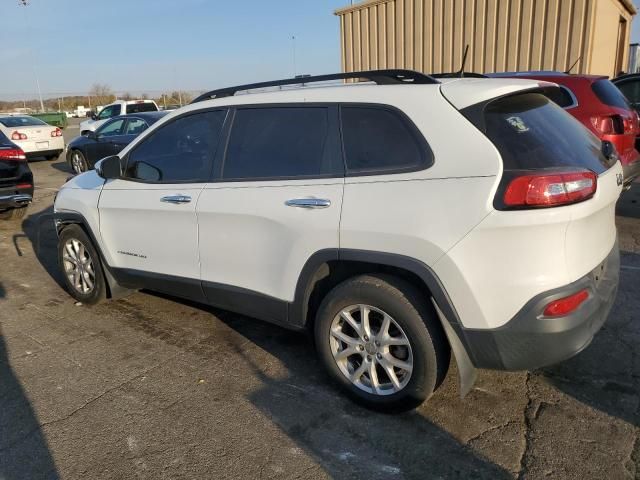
x=24, y=452
x=629, y=203
x=606, y=375
x=39, y=229
x=62, y=166
x=347, y=441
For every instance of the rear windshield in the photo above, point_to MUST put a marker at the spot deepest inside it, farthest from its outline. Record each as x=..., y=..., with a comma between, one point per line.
x=532, y=132
x=142, y=107
x=609, y=94
x=15, y=122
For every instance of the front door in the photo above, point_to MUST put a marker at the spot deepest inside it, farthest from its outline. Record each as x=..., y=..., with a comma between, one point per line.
x=148, y=218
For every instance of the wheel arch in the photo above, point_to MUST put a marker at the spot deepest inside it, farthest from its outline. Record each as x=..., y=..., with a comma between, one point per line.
x=327, y=268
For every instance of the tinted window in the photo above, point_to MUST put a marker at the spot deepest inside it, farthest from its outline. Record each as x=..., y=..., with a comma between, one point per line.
x=112, y=128
x=142, y=107
x=180, y=151
x=109, y=112
x=609, y=94
x=532, y=132
x=378, y=140
x=631, y=90
x=25, y=121
x=562, y=96
x=279, y=142
x=135, y=126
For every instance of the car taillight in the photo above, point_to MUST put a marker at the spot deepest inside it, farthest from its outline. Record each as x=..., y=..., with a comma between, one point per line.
x=13, y=154
x=18, y=136
x=550, y=189
x=20, y=186
x=608, y=124
x=56, y=133
x=565, y=306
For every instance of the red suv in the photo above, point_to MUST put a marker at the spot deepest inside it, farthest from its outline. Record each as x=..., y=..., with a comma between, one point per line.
x=601, y=107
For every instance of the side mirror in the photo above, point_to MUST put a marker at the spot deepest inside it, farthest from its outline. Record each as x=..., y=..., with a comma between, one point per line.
x=109, y=167
x=91, y=134
x=94, y=116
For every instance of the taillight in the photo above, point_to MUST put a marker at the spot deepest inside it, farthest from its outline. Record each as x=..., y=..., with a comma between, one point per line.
x=56, y=133
x=565, y=306
x=13, y=154
x=608, y=124
x=18, y=136
x=550, y=189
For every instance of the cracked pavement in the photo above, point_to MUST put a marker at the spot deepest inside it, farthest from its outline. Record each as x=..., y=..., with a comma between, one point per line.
x=153, y=387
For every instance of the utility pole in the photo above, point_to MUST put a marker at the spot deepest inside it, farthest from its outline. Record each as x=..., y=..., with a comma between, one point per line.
x=25, y=3
x=293, y=42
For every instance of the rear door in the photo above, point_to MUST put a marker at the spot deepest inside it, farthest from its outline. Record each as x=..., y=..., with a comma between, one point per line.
x=276, y=202
x=148, y=218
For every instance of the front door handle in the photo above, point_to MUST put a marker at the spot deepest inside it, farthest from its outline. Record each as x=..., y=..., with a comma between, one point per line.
x=308, y=203
x=176, y=199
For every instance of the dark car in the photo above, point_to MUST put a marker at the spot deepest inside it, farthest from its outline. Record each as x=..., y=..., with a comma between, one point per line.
x=629, y=85
x=109, y=139
x=16, y=180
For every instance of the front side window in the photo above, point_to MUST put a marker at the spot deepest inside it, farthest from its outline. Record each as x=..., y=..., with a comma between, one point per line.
x=631, y=90
x=135, y=126
x=279, y=142
x=380, y=140
x=109, y=112
x=111, y=129
x=179, y=151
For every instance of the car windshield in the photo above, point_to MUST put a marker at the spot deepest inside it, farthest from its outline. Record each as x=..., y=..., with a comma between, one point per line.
x=22, y=121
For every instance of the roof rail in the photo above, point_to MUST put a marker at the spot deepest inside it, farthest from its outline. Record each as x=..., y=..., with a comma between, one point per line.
x=380, y=77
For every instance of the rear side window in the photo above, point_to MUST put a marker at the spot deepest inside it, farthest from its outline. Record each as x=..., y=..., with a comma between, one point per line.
x=532, y=132
x=380, y=140
x=279, y=142
x=179, y=151
x=562, y=96
x=142, y=107
x=609, y=94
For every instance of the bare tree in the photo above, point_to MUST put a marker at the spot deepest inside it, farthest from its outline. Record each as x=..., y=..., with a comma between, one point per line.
x=127, y=96
x=102, y=93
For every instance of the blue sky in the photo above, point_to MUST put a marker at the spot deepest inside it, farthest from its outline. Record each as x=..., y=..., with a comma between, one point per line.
x=156, y=45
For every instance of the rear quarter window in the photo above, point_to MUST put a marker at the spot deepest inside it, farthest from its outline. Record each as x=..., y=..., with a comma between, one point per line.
x=531, y=132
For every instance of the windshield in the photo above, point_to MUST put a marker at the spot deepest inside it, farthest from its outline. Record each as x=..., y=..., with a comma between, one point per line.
x=23, y=121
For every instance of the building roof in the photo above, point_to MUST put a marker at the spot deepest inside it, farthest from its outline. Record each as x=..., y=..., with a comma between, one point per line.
x=627, y=4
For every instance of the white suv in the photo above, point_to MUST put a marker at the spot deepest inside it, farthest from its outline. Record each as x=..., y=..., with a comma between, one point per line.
x=399, y=220
x=119, y=107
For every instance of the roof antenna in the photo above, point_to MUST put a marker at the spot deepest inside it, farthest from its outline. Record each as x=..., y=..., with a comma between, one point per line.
x=573, y=65
x=460, y=72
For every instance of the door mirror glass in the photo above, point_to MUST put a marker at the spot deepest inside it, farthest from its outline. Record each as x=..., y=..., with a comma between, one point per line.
x=109, y=167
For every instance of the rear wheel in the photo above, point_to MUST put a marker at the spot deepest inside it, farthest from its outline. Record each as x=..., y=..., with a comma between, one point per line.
x=78, y=162
x=14, y=213
x=81, y=267
x=380, y=340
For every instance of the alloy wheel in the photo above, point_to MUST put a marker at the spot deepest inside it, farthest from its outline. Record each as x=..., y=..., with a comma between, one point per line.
x=371, y=349
x=77, y=163
x=78, y=266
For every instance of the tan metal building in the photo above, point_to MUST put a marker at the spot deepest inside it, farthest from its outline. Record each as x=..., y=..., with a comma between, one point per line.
x=503, y=35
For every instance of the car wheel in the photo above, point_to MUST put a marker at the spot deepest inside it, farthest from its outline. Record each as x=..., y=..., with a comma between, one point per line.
x=81, y=266
x=14, y=213
x=381, y=340
x=78, y=162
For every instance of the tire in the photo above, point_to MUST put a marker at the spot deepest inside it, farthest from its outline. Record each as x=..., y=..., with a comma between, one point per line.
x=14, y=213
x=412, y=321
x=75, y=248
x=77, y=162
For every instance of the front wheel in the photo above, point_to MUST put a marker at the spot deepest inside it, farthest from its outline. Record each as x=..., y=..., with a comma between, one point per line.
x=78, y=162
x=81, y=267
x=380, y=340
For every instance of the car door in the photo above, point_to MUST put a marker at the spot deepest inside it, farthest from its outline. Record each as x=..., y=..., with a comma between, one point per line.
x=275, y=203
x=148, y=217
x=102, y=144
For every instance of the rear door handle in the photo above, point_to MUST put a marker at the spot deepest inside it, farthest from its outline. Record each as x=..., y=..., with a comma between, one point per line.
x=176, y=199
x=308, y=203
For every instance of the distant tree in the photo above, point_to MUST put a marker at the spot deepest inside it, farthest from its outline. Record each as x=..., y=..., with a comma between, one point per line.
x=127, y=96
x=144, y=96
x=102, y=94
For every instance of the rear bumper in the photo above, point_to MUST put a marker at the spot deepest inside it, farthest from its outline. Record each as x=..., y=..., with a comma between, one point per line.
x=15, y=201
x=44, y=153
x=530, y=341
